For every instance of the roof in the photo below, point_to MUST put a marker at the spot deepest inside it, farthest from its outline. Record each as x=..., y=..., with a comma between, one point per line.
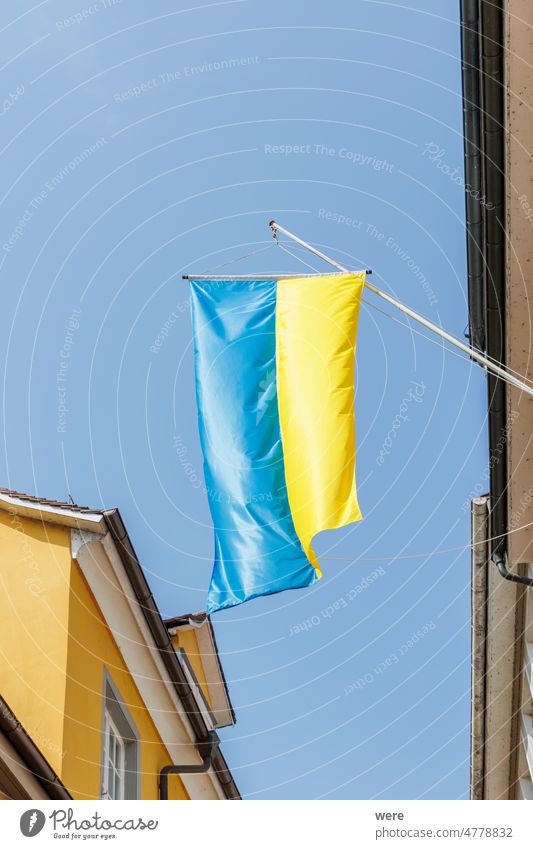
x=33, y=499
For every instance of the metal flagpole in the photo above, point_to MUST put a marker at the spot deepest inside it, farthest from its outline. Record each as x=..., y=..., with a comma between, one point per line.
x=483, y=361
x=264, y=277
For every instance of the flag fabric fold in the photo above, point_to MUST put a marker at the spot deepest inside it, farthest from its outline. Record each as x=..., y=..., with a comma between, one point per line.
x=275, y=365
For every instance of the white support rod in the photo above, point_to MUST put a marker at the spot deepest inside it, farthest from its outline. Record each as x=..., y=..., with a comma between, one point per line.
x=263, y=277
x=483, y=361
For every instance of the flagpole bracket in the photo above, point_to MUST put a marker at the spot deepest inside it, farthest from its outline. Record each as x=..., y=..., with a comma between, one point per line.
x=277, y=228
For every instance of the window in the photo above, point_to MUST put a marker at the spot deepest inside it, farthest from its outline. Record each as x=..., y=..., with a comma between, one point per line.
x=120, y=747
x=114, y=760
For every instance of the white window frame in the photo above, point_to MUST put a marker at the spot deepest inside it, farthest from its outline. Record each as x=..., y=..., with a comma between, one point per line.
x=120, y=768
x=114, y=779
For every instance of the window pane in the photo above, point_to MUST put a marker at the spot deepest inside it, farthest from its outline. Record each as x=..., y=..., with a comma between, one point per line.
x=111, y=782
x=119, y=753
x=115, y=758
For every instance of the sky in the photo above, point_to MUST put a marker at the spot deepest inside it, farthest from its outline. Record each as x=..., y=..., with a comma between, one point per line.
x=143, y=141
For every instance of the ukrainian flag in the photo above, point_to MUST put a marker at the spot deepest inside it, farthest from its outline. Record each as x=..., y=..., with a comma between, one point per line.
x=274, y=364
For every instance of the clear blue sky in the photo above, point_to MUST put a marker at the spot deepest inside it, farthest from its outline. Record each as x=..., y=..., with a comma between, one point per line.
x=135, y=147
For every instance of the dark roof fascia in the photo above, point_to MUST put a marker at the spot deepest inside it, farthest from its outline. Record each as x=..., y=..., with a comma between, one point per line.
x=30, y=754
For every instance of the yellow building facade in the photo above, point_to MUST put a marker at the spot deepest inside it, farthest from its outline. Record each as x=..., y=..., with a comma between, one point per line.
x=106, y=691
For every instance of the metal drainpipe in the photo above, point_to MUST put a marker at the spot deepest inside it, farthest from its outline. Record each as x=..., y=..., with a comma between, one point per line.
x=207, y=750
x=472, y=155
x=493, y=160
x=499, y=558
x=483, y=96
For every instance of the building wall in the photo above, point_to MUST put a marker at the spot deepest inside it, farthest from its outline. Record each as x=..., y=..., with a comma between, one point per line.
x=519, y=294
x=502, y=615
x=35, y=566
x=54, y=645
x=519, y=336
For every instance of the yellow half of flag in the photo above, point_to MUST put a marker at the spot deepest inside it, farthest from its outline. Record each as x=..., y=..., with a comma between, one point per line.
x=316, y=328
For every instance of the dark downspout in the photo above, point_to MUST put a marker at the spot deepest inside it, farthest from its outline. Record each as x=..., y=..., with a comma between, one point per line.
x=207, y=751
x=499, y=558
x=492, y=98
x=472, y=153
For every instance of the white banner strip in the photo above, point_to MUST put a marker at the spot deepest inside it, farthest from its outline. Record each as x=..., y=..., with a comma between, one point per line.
x=256, y=824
